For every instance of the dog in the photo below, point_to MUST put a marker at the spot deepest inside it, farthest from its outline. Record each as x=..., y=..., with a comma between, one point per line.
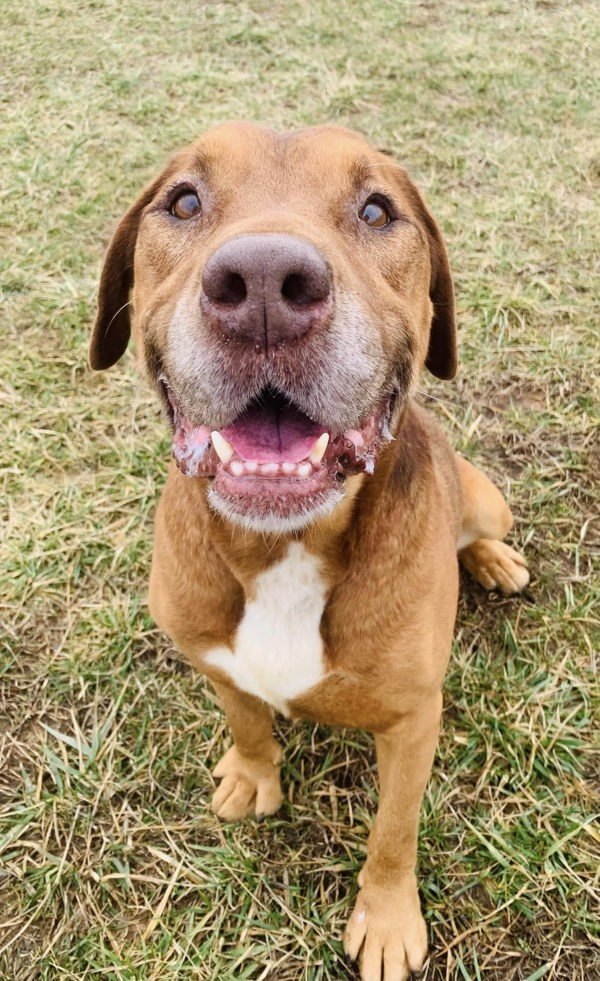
x=285, y=292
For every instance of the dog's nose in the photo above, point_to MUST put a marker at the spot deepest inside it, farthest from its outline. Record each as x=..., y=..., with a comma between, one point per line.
x=266, y=289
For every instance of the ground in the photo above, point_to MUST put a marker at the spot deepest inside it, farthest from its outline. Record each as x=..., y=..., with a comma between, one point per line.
x=110, y=860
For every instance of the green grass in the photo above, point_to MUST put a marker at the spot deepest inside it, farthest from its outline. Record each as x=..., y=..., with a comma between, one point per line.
x=110, y=863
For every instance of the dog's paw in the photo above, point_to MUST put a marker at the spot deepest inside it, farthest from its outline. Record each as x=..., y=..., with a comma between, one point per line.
x=248, y=786
x=387, y=932
x=495, y=565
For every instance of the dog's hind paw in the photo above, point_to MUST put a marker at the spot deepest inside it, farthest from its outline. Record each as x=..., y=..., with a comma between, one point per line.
x=248, y=786
x=495, y=565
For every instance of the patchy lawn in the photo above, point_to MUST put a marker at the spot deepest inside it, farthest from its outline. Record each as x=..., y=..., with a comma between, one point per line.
x=110, y=862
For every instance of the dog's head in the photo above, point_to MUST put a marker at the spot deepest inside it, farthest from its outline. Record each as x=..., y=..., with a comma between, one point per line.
x=286, y=292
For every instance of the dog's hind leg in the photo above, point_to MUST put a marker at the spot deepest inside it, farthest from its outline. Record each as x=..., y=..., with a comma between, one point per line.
x=486, y=521
x=249, y=770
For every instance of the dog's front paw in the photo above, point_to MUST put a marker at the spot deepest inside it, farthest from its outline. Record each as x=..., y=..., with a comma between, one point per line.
x=495, y=565
x=387, y=931
x=248, y=786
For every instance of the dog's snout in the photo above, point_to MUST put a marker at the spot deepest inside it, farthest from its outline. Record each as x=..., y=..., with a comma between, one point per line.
x=267, y=289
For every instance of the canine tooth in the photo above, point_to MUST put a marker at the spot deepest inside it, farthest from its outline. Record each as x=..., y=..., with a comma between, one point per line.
x=223, y=449
x=237, y=468
x=318, y=451
x=304, y=469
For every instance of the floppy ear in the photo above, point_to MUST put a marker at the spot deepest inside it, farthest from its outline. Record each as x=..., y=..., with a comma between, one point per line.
x=112, y=328
x=441, y=354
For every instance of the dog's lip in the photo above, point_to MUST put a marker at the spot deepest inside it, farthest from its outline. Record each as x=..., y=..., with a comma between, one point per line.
x=308, y=457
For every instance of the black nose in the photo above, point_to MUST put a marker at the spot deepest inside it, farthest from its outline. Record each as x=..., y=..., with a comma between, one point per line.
x=266, y=289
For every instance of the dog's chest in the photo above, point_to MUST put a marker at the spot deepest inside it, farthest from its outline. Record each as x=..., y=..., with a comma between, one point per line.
x=278, y=650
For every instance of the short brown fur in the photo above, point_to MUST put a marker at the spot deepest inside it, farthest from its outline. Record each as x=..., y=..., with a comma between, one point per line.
x=389, y=549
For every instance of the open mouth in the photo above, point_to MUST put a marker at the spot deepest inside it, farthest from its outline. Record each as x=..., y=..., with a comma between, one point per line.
x=273, y=460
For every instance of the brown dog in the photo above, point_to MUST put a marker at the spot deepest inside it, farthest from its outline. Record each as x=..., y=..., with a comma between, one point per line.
x=287, y=291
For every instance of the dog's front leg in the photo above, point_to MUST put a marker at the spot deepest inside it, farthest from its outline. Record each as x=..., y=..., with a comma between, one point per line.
x=249, y=770
x=386, y=926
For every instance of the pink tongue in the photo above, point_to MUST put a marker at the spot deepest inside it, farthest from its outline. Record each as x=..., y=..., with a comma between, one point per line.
x=269, y=434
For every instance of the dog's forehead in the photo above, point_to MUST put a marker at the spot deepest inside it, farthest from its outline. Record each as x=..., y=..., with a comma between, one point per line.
x=235, y=155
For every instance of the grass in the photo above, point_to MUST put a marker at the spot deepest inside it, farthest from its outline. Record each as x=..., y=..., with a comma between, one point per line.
x=110, y=862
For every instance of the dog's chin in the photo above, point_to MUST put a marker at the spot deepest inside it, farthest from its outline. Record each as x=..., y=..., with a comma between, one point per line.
x=274, y=469
x=256, y=508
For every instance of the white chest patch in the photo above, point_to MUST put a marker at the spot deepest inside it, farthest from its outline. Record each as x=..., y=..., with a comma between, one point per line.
x=278, y=651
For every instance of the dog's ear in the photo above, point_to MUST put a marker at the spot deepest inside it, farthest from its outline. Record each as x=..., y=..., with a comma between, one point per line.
x=113, y=323
x=441, y=355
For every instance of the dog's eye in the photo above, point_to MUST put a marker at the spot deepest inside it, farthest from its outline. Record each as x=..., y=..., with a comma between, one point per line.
x=186, y=205
x=374, y=214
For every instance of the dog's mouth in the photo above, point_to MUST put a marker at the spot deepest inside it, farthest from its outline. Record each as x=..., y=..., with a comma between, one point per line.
x=273, y=459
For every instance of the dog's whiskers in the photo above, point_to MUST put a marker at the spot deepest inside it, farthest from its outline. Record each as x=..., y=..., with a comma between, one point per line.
x=115, y=315
x=435, y=398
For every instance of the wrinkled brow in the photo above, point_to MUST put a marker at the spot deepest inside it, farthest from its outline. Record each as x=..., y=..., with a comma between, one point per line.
x=362, y=171
x=395, y=171
x=202, y=163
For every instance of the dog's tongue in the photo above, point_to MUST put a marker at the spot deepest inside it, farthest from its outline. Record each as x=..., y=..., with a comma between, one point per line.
x=272, y=433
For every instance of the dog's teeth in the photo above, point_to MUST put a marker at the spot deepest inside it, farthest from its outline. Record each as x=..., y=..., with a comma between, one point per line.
x=318, y=451
x=244, y=468
x=223, y=449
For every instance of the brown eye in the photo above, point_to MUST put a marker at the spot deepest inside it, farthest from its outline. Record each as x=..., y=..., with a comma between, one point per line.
x=187, y=205
x=374, y=214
